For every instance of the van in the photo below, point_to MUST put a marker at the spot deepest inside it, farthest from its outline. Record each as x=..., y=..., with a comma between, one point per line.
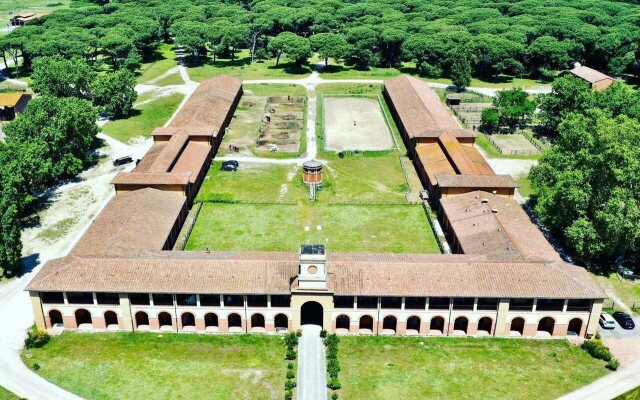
x=607, y=321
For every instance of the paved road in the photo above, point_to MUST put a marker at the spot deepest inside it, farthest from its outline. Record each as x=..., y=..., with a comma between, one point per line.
x=312, y=365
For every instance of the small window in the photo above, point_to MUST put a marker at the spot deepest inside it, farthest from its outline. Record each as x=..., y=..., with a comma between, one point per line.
x=463, y=303
x=52, y=297
x=487, y=304
x=108, y=299
x=233, y=300
x=415, y=303
x=257, y=301
x=280, y=301
x=80, y=297
x=343, y=301
x=521, y=304
x=139, y=299
x=162, y=299
x=209, y=300
x=367, y=302
x=439, y=303
x=186, y=300
x=391, y=302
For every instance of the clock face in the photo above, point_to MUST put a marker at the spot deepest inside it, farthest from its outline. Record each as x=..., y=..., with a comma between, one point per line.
x=312, y=269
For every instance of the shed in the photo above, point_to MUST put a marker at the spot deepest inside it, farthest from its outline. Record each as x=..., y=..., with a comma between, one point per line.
x=12, y=104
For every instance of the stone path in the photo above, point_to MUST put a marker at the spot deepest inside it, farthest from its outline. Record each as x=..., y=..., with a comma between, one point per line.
x=312, y=365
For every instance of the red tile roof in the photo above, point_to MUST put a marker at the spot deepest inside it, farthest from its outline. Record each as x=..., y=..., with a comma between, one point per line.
x=476, y=181
x=150, y=178
x=193, y=159
x=589, y=74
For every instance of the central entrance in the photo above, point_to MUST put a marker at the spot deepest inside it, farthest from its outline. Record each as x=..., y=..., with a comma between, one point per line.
x=311, y=313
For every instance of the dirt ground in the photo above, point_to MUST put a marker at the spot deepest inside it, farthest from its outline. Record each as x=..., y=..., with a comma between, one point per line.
x=244, y=126
x=355, y=124
x=514, y=143
x=281, y=124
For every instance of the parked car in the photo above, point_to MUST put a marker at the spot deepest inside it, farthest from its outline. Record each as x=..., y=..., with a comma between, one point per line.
x=625, y=321
x=231, y=166
x=607, y=321
x=122, y=161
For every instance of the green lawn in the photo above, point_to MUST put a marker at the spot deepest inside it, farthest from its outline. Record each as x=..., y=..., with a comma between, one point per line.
x=173, y=79
x=632, y=395
x=349, y=88
x=627, y=291
x=275, y=89
x=8, y=8
x=167, y=366
x=525, y=186
x=492, y=152
x=147, y=117
x=465, y=368
x=7, y=395
x=166, y=59
x=345, y=228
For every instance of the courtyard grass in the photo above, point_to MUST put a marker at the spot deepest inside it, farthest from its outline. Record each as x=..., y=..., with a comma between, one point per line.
x=525, y=186
x=167, y=366
x=275, y=89
x=146, y=117
x=628, y=291
x=166, y=59
x=631, y=395
x=349, y=89
x=283, y=227
x=7, y=395
x=173, y=79
x=461, y=368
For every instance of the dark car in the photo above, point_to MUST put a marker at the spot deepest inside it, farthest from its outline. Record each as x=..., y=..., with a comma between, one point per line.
x=231, y=166
x=625, y=321
x=122, y=161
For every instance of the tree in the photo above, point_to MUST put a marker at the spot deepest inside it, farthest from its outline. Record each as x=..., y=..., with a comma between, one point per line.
x=568, y=94
x=490, y=120
x=53, y=135
x=55, y=76
x=329, y=45
x=10, y=243
x=586, y=186
x=363, y=41
x=461, y=70
x=295, y=47
x=514, y=107
x=115, y=93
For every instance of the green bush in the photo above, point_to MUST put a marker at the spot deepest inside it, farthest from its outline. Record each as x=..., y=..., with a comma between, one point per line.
x=331, y=340
x=334, y=396
x=613, y=364
x=334, y=384
x=332, y=352
x=323, y=333
x=290, y=374
x=289, y=384
x=290, y=366
x=36, y=338
x=35, y=367
x=333, y=367
x=291, y=340
x=291, y=355
x=288, y=394
x=597, y=350
x=299, y=332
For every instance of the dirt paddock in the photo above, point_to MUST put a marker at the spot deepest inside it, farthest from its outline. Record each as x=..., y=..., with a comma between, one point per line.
x=355, y=124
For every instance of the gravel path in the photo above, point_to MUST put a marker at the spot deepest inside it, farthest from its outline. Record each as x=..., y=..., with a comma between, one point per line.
x=609, y=387
x=312, y=365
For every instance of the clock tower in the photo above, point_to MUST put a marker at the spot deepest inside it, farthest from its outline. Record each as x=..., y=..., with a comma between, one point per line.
x=312, y=274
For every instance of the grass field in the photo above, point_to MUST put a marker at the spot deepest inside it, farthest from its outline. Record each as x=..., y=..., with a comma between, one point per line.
x=7, y=395
x=10, y=7
x=167, y=366
x=492, y=152
x=446, y=368
x=147, y=117
x=344, y=228
x=275, y=89
x=627, y=291
x=632, y=395
x=173, y=79
x=166, y=59
x=525, y=186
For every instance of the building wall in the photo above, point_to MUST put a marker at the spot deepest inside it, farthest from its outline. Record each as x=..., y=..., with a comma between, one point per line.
x=449, y=192
x=126, y=188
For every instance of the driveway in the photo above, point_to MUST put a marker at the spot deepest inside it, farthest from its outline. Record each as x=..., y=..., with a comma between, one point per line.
x=312, y=365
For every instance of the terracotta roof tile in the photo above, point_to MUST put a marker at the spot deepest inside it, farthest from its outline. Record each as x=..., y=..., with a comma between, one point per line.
x=589, y=74
x=193, y=159
x=170, y=153
x=476, y=181
x=149, y=178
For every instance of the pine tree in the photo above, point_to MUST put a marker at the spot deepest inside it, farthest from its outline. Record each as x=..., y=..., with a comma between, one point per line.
x=461, y=69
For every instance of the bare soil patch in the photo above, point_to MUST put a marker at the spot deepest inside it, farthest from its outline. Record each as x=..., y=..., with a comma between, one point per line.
x=514, y=144
x=355, y=124
x=281, y=125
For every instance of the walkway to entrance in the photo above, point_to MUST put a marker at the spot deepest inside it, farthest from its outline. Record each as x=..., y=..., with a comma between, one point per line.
x=311, y=313
x=312, y=364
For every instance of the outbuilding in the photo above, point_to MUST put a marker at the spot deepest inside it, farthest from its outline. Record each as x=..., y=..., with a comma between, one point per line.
x=12, y=104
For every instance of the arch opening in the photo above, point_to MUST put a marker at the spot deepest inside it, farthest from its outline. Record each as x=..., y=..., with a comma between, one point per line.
x=83, y=317
x=235, y=321
x=110, y=319
x=517, y=325
x=575, y=327
x=390, y=323
x=164, y=319
x=210, y=320
x=366, y=323
x=55, y=318
x=311, y=313
x=343, y=322
x=188, y=320
x=437, y=324
x=281, y=323
x=461, y=324
x=546, y=324
x=413, y=324
x=257, y=321
x=142, y=319
x=485, y=325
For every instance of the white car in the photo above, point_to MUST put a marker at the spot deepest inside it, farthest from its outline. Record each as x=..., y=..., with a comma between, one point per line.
x=607, y=321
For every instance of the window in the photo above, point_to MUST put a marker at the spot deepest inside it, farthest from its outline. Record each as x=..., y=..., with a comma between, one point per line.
x=257, y=301
x=391, y=302
x=280, y=301
x=233, y=300
x=550, y=305
x=80, y=298
x=489, y=304
x=108, y=299
x=367, y=302
x=186, y=300
x=162, y=299
x=415, y=303
x=579, y=305
x=343, y=301
x=439, y=303
x=463, y=303
x=52, y=297
x=521, y=304
x=209, y=300
x=139, y=299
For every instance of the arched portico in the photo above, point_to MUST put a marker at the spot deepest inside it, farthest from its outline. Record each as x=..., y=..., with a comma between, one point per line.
x=311, y=313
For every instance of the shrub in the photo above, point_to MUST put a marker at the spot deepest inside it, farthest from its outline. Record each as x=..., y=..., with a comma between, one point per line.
x=289, y=384
x=35, y=366
x=331, y=340
x=323, y=333
x=613, y=364
x=334, y=396
x=290, y=366
x=290, y=374
x=291, y=340
x=299, y=332
x=36, y=338
x=333, y=367
x=597, y=350
x=288, y=394
x=291, y=355
x=334, y=384
x=332, y=352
